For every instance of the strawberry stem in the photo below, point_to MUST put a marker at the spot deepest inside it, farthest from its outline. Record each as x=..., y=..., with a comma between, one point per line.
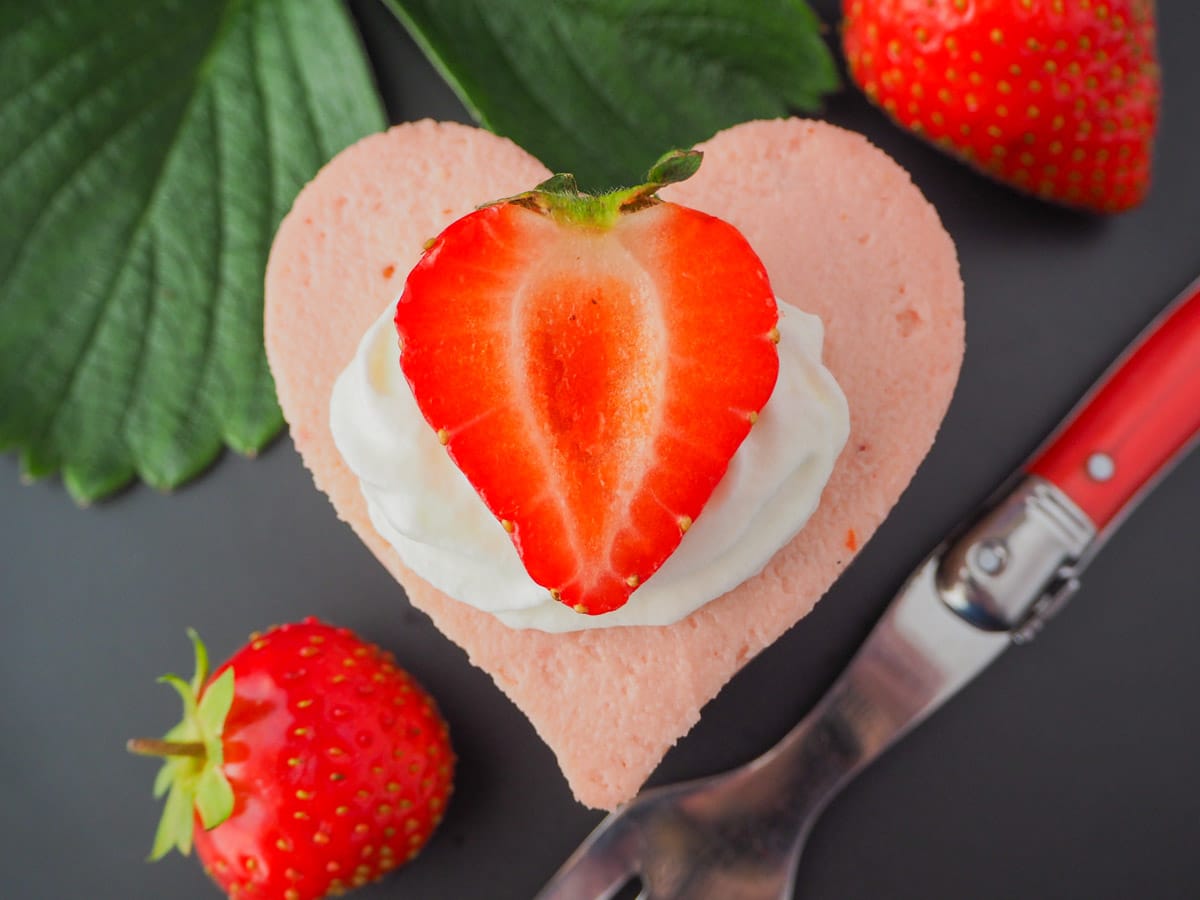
x=191, y=777
x=559, y=195
x=156, y=747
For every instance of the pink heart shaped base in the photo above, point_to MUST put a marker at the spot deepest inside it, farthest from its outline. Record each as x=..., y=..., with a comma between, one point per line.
x=844, y=234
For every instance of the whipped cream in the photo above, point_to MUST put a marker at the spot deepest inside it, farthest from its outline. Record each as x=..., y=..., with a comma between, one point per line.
x=423, y=505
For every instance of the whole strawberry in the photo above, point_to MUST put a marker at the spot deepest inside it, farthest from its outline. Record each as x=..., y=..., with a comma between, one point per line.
x=308, y=764
x=1057, y=97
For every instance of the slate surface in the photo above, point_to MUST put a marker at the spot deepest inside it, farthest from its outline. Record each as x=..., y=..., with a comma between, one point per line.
x=1067, y=771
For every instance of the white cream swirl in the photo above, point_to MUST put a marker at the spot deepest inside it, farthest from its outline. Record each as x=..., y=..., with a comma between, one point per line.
x=424, y=506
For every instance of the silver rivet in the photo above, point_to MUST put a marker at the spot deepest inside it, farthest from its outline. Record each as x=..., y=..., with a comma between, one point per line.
x=991, y=557
x=1100, y=467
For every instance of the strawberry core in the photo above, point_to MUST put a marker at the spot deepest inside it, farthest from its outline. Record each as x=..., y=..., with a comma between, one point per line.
x=590, y=370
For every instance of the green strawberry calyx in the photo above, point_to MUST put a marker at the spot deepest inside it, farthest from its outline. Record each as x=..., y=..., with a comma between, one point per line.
x=559, y=195
x=192, y=776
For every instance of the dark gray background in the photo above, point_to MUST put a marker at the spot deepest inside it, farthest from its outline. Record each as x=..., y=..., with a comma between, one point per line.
x=1069, y=770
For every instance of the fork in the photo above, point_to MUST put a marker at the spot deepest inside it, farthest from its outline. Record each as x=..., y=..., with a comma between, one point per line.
x=739, y=835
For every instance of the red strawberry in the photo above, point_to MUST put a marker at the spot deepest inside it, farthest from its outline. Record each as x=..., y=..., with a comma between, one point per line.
x=308, y=764
x=591, y=363
x=1057, y=97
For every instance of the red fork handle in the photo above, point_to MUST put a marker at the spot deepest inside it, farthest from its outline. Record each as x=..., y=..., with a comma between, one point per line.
x=1139, y=419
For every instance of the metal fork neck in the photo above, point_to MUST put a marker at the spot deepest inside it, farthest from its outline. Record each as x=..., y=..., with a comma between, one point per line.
x=993, y=585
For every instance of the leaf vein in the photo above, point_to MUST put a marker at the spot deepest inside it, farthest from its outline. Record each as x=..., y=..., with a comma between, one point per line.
x=71, y=177
x=503, y=56
x=95, y=87
x=137, y=376
x=297, y=73
x=27, y=240
x=139, y=223
x=260, y=96
x=60, y=62
x=571, y=53
x=218, y=274
x=112, y=393
x=78, y=364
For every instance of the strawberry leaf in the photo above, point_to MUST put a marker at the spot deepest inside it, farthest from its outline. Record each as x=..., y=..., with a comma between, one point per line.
x=214, y=797
x=166, y=775
x=184, y=690
x=175, y=826
x=195, y=756
x=201, y=654
x=674, y=166
x=214, y=707
x=600, y=87
x=148, y=149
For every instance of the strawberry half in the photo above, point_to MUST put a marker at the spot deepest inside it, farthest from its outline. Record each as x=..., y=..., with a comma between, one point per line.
x=308, y=764
x=1057, y=97
x=591, y=363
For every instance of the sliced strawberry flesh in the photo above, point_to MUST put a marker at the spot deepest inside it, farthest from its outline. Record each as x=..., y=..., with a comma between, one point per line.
x=592, y=383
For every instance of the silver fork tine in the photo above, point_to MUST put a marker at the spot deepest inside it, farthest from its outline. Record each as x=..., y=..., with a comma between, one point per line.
x=600, y=867
x=588, y=878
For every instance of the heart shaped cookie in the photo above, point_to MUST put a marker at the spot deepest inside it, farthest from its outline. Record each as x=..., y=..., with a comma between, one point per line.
x=843, y=234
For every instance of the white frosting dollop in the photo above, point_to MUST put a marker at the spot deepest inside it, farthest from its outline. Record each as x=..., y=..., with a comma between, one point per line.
x=424, y=506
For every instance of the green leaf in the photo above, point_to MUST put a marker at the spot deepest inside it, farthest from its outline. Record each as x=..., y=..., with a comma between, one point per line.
x=165, y=778
x=175, y=826
x=214, y=797
x=675, y=166
x=562, y=183
x=200, y=675
x=148, y=149
x=601, y=87
x=214, y=707
x=184, y=690
x=193, y=773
